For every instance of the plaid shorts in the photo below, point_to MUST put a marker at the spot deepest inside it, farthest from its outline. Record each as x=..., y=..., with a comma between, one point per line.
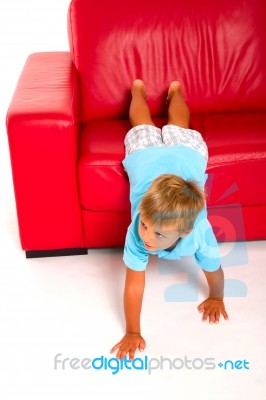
x=143, y=136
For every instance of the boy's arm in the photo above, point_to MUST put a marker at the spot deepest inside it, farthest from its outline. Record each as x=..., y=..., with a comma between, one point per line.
x=213, y=307
x=133, y=294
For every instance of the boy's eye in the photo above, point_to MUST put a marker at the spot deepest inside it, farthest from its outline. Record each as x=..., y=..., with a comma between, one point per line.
x=158, y=235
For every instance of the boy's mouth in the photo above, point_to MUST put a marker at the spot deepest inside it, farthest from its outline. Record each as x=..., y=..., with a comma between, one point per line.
x=148, y=246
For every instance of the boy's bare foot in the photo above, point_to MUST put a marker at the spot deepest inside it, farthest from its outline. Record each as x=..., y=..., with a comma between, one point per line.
x=175, y=87
x=138, y=87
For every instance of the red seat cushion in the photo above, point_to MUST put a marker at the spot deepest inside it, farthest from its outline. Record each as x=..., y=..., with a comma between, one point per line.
x=237, y=158
x=236, y=167
x=102, y=180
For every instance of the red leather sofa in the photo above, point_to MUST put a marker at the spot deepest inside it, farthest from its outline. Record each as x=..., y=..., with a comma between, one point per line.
x=69, y=115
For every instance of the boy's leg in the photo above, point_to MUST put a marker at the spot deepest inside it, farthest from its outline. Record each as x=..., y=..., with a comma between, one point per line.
x=139, y=112
x=177, y=131
x=178, y=111
x=143, y=133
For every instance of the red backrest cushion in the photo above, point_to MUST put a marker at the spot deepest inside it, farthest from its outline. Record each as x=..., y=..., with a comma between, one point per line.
x=215, y=48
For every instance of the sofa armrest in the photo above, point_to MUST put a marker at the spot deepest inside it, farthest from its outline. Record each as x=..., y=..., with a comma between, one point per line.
x=43, y=126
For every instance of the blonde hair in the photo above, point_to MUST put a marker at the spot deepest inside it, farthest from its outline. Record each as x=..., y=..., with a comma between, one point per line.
x=171, y=200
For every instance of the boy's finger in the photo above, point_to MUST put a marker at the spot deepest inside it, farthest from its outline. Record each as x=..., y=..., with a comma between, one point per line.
x=217, y=319
x=142, y=346
x=201, y=307
x=225, y=315
x=212, y=317
x=132, y=354
x=115, y=347
x=205, y=315
x=124, y=352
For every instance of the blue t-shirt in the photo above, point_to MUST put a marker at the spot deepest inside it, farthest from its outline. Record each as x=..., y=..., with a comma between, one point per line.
x=142, y=167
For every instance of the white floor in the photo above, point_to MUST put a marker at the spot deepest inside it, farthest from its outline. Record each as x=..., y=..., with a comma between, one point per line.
x=71, y=307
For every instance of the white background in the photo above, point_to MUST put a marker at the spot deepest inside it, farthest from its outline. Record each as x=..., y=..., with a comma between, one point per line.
x=73, y=305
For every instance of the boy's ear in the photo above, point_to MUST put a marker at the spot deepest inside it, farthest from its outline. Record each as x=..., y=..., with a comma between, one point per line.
x=186, y=233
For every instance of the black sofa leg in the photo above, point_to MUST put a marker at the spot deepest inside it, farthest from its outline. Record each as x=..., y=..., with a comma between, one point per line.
x=56, y=253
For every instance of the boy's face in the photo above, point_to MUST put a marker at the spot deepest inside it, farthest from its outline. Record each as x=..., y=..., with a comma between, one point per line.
x=155, y=238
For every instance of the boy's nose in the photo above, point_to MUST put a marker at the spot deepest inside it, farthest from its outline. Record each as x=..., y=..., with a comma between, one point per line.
x=148, y=238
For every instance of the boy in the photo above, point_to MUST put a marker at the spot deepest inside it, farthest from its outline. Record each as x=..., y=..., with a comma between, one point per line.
x=166, y=171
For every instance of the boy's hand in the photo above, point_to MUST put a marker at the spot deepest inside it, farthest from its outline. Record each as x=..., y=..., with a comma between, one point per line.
x=129, y=344
x=212, y=309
